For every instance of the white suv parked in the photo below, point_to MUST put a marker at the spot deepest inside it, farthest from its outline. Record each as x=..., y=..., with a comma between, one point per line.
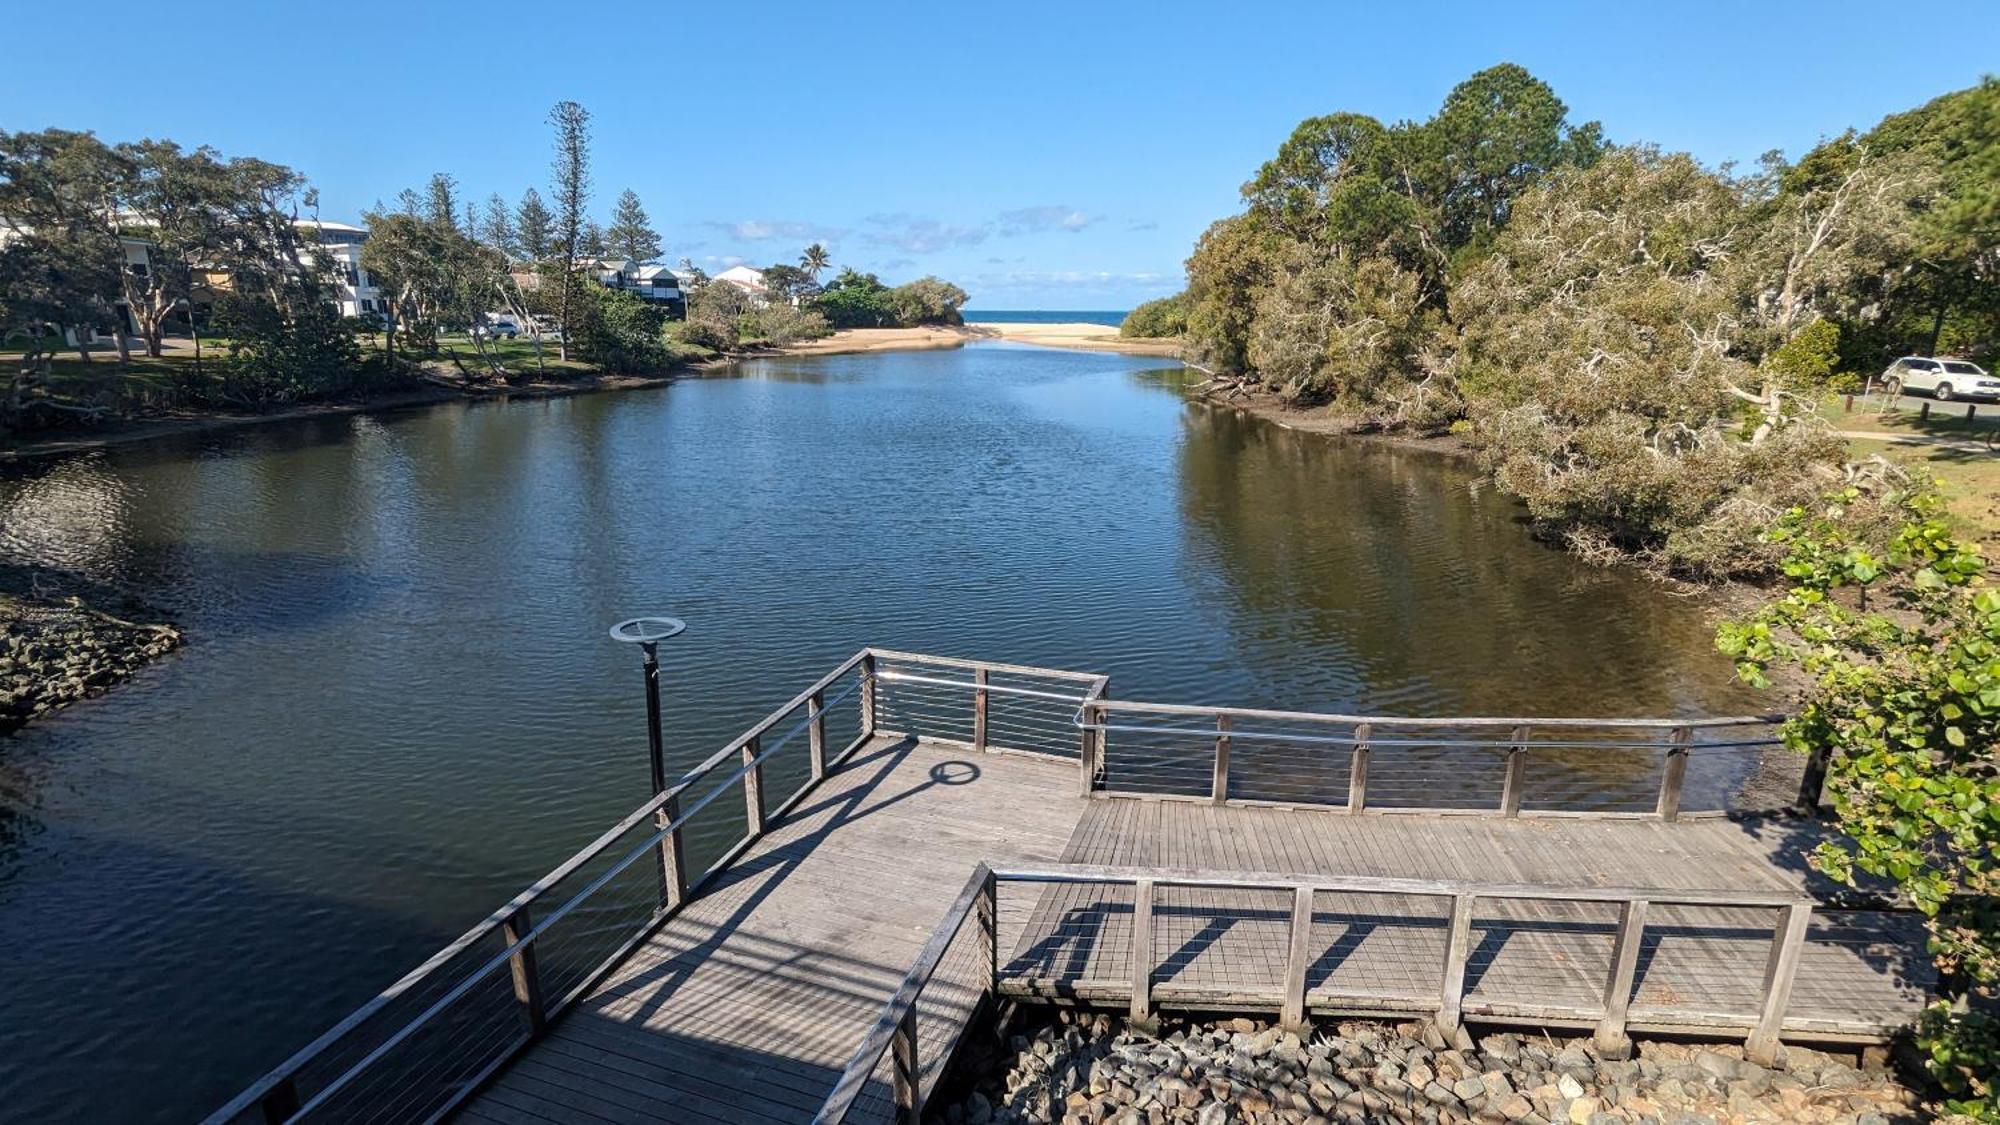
x=1942, y=379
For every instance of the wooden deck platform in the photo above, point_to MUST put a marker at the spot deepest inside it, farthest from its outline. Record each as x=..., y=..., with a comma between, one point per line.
x=1860, y=972
x=745, y=1006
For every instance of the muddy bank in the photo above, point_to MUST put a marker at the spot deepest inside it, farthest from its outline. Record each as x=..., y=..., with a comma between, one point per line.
x=37, y=446
x=62, y=639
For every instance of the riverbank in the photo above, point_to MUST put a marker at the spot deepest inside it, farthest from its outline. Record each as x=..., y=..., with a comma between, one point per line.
x=16, y=448
x=55, y=649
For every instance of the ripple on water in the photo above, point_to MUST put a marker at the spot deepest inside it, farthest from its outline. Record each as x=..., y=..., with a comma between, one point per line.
x=400, y=705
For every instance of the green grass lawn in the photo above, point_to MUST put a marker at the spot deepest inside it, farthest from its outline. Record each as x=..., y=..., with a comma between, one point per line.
x=1971, y=482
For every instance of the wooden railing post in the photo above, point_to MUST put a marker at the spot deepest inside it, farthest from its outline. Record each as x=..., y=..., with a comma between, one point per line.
x=527, y=977
x=816, y=733
x=868, y=679
x=1812, y=784
x=1676, y=774
x=1457, y=949
x=753, y=785
x=979, y=694
x=909, y=1080
x=281, y=1103
x=1092, y=750
x=1292, y=1013
x=1612, y=1042
x=673, y=861
x=988, y=908
x=1788, y=940
x=1517, y=768
x=1357, y=771
x=1142, y=952
x=1219, y=789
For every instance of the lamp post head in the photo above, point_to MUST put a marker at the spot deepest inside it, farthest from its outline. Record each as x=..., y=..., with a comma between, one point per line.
x=647, y=631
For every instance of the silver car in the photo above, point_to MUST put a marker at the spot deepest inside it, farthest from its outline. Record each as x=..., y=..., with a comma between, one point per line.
x=1942, y=379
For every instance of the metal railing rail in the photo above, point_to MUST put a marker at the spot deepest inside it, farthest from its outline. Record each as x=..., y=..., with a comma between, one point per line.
x=281, y=1096
x=277, y=1097
x=894, y=1032
x=1367, y=736
x=1084, y=715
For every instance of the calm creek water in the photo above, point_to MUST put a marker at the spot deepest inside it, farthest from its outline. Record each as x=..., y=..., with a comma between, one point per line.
x=398, y=703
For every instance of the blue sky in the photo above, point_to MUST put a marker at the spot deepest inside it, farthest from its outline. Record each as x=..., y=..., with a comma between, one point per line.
x=1043, y=156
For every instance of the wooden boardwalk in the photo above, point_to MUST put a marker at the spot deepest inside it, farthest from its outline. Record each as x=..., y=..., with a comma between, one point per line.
x=1860, y=972
x=745, y=1006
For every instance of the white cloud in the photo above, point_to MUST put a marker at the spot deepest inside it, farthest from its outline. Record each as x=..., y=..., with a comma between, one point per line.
x=761, y=230
x=1035, y=220
x=916, y=234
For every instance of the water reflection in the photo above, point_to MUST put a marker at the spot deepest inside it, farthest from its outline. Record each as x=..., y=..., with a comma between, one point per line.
x=1413, y=592
x=398, y=704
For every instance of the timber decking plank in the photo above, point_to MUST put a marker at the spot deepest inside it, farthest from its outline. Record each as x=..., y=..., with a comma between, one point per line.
x=1530, y=955
x=784, y=963
x=746, y=1005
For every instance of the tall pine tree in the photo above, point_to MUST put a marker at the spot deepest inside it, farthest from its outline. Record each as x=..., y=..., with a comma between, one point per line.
x=631, y=234
x=533, y=228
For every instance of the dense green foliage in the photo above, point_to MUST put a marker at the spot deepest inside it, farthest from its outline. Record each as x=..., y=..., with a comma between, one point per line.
x=927, y=300
x=1900, y=637
x=1633, y=342
x=69, y=207
x=855, y=300
x=1156, y=319
x=859, y=300
x=622, y=332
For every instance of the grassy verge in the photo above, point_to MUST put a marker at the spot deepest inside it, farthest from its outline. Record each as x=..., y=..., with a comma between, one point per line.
x=1971, y=482
x=1947, y=419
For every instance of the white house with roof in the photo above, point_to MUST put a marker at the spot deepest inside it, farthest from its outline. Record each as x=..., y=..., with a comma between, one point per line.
x=358, y=294
x=647, y=282
x=746, y=278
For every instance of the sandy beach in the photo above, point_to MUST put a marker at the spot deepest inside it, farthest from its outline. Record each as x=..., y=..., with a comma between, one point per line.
x=1075, y=334
x=851, y=341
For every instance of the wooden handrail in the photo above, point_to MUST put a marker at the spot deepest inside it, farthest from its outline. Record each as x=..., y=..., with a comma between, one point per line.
x=1204, y=711
x=902, y=1005
x=989, y=665
x=980, y=899
x=277, y=1083
x=1379, y=884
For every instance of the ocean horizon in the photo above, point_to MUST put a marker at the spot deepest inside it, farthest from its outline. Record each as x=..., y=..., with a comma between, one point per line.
x=1045, y=316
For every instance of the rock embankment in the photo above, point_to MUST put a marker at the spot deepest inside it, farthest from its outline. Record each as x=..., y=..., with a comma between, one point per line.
x=1090, y=1068
x=55, y=649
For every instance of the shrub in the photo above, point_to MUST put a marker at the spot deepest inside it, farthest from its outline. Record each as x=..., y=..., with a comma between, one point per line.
x=274, y=358
x=855, y=300
x=785, y=323
x=1164, y=317
x=622, y=332
x=927, y=300
x=1904, y=706
x=713, y=318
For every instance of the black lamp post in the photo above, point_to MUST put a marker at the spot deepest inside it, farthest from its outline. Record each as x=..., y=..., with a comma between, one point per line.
x=647, y=633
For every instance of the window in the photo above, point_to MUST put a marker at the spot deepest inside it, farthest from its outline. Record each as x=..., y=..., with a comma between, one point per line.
x=353, y=275
x=367, y=305
x=1959, y=367
x=138, y=269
